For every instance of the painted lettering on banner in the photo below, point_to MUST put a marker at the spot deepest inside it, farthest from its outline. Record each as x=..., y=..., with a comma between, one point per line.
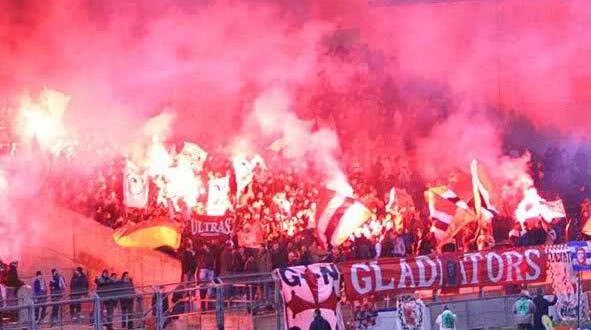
x=309, y=293
x=211, y=227
x=483, y=268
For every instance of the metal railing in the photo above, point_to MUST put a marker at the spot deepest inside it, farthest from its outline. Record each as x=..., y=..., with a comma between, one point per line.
x=193, y=305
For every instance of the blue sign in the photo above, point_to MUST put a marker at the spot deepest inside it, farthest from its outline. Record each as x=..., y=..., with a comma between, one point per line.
x=580, y=255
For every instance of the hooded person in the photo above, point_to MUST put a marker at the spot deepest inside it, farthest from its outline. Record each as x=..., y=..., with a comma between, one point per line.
x=523, y=310
x=319, y=323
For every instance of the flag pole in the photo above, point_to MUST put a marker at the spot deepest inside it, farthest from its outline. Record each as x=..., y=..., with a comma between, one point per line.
x=579, y=301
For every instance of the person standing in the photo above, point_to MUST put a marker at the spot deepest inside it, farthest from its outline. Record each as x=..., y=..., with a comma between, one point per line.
x=265, y=265
x=57, y=286
x=40, y=296
x=485, y=240
x=319, y=322
x=188, y=264
x=111, y=292
x=79, y=289
x=446, y=320
x=127, y=290
x=541, y=315
x=399, y=249
x=206, y=275
x=524, y=310
x=102, y=284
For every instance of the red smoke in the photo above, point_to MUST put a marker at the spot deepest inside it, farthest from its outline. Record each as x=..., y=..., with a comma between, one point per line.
x=522, y=56
x=418, y=80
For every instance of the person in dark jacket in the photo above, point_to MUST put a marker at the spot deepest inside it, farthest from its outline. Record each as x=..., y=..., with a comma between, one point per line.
x=387, y=245
x=265, y=265
x=226, y=260
x=319, y=322
x=188, y=264
x=102, y=284
x=3, y=272
x=111, y=291
x=79, y=289
x=40, y=296
x=12, y=278
x=306, y=256
x=542, y=309
x=126, y=289
x=107, y=288
x=57, y=286
x=238, y=261
x=279, y=256
x=426, y=243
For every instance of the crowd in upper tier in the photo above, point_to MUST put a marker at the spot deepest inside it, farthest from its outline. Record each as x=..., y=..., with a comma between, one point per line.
x=282, y=203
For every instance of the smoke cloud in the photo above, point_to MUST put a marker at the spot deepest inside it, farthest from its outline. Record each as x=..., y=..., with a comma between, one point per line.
x=435, y=84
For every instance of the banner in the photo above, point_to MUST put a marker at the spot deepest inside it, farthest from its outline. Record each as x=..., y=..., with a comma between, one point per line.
x=217, y=198
x=564, y=281
x=135, y=187
x=310, y=294
x=552, y=210
x=251, y=236
x=580, y=255
x=411, y=313
x=211, y=227
x=485, y=268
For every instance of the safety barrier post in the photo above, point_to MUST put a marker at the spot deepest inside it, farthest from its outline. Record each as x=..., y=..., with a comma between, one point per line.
x=140, y=312
x=97, y=313
x=159, y=312
x=278, y=306
x=219, y=306
x=31, y=310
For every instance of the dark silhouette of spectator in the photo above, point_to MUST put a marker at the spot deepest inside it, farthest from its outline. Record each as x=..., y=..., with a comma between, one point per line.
x=79, y=289
x=40, y=296
x=319, y=322
x=57, y=286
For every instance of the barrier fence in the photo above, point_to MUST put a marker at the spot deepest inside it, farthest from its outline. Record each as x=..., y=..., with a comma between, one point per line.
x=233, y=303
x=188, y=305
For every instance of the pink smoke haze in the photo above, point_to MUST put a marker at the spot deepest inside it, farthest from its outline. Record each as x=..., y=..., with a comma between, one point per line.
x=433, y=83
x=524, y=56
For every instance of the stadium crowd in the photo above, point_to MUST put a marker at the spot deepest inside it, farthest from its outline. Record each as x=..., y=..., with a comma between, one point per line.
x=282, y=204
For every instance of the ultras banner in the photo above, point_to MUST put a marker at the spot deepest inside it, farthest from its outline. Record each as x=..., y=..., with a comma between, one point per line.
x=211, y=227
x=485, y=268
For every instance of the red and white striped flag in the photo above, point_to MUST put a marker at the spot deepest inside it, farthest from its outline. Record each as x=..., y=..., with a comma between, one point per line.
x=484, y=193
x=448, y=212
x=337, y=216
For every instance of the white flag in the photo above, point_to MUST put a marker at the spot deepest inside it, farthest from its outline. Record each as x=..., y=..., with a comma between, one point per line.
x=244, y=170
x=552, y=209
x=217, y=199
x=391, y=199
x=135, y=187
x=194, y=154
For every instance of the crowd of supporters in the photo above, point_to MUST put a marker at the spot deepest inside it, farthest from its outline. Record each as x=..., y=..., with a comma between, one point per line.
x=282, y=204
